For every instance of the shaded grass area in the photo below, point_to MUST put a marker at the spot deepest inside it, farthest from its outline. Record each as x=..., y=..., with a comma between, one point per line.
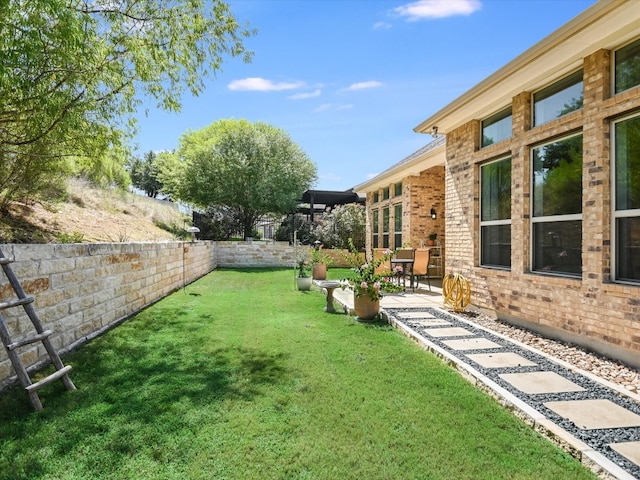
x=240, y=376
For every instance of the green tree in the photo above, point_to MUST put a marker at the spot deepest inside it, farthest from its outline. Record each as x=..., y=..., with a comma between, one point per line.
x=72, y=74
x=144, y=174
x=254, y=169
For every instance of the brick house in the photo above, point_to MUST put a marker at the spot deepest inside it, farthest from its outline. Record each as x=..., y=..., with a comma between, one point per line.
x=542, y=184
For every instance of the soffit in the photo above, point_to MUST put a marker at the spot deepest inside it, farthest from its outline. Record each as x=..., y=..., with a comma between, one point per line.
x=431, y=155
x=606, y=25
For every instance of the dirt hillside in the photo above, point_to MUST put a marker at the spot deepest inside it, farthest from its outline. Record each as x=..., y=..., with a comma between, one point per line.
x=93, y=215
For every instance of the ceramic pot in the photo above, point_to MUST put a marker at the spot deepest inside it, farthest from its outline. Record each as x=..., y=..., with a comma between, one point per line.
x=319, y=271
x=304, y=283
x=365, y=308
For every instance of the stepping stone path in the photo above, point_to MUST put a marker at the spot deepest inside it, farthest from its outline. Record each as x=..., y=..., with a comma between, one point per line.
x=596, y=421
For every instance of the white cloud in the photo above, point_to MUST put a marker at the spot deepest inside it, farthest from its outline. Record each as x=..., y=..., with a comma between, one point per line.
x=372, y=175
x=381, y=26
x=302, y=96
x=333, y=107
x=363, y=85
x=258, y=84
x=428, y=9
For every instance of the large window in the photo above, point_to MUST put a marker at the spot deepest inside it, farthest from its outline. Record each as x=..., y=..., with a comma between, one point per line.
x=627, y=67
x=558, y=99
x=557, y=207
x=627, y=199
x=497, y=127
x=495, y=214
x=385, y=227
x=375, y=224
x=397, y=226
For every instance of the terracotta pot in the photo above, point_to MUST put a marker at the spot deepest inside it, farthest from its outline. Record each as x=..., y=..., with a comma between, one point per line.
x=319, y=271
x=304, y=283
x=365, y=308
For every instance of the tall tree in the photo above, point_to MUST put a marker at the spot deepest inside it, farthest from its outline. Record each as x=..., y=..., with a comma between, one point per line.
x=254, y=169
x=144, y=174
x=72, y=73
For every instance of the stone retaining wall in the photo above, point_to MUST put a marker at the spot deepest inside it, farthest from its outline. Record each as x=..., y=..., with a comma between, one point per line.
x=81, y=290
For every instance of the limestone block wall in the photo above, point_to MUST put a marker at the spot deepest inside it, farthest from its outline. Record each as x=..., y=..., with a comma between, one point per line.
x=81, y=290
x=255, y=254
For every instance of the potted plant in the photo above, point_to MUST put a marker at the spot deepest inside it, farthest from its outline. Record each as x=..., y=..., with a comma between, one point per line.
x=432, y=239
x=303, y=280
x=319, y=261
x=368, y=286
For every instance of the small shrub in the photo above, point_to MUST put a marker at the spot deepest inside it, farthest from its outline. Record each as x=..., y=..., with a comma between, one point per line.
x=75, y=237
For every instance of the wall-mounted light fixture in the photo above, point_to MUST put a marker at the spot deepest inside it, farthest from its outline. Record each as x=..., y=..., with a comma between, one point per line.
x=434, y=131
x=434, y=215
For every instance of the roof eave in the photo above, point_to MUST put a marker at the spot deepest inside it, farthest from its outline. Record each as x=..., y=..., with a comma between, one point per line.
x=568, y=45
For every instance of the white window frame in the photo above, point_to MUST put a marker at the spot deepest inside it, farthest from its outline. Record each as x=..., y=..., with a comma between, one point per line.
x=616, y=214
x=549, y=218
x=490, y=223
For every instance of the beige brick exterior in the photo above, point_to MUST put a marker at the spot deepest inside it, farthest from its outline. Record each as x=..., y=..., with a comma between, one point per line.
x=420, y=194
x=590, y=310
x=593, y=310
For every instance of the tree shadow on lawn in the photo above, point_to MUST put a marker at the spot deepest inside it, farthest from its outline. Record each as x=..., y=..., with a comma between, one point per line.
x=127, y=385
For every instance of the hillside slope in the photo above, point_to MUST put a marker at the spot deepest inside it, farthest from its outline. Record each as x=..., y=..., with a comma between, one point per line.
x=92, y=214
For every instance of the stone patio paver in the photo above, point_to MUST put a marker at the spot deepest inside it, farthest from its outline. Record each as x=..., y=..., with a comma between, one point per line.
x=540, y=382
x=471, y=344
x=593, y=414
x=500, y=360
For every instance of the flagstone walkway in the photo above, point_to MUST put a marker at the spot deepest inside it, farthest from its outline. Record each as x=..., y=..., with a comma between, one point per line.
x=597, y=421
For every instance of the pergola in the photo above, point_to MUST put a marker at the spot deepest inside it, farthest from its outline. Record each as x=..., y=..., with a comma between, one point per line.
x=320, y=200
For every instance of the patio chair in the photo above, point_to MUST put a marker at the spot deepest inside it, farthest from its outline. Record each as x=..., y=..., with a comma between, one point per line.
x=421, y=261
x=407, y=268
x=385, y=267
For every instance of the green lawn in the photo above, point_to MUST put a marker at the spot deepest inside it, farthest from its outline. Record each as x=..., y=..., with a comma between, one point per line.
x=240, y=376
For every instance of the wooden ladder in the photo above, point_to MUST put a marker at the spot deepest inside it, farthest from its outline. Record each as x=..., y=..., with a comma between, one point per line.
x=41, y=335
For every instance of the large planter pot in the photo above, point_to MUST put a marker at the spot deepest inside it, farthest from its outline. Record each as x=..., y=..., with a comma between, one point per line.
x=319, y=271
x=365, y=308
x=304, y=283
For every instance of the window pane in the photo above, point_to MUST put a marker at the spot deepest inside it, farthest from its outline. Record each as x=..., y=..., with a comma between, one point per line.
x=628, y=67
x=374, y=227
x=385, y=194
x=496, y=245
x=557, y=178
x=397, y=226
x=557, y=247
x=627, y=157
x=376, y=197
x=628, y=248
x=558, y=99
x=397, y=189
x=495, y=179
x=385, y=227
x=496, y=128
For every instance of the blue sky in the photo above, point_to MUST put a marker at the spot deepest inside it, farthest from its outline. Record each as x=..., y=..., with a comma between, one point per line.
x=348, y=80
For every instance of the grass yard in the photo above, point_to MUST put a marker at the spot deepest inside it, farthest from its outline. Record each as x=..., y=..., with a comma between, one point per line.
x=240, y=376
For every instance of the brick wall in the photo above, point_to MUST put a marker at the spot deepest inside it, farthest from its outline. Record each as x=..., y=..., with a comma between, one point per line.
x=420, y=193
x=590, y=311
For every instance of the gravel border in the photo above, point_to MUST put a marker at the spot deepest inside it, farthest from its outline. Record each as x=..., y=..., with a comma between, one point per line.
x=598, y=439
